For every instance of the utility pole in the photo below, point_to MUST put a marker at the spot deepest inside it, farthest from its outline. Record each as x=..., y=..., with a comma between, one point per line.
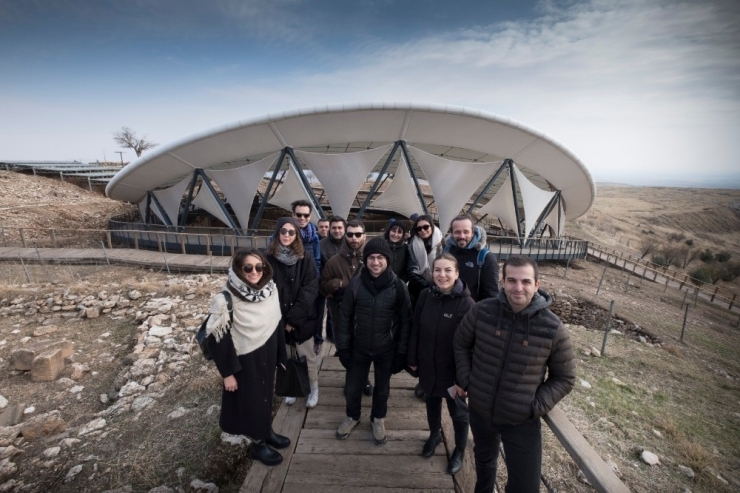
x=121, y=155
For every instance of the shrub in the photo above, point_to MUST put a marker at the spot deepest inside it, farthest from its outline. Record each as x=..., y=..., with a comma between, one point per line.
x=702, y=274
x=730, y=271
x=723, y=256
x=660, y=260
x=706, y=256
x=690, y=242
x=677, y=237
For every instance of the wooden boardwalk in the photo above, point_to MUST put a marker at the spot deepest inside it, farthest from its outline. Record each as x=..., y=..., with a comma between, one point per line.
x=317, y=462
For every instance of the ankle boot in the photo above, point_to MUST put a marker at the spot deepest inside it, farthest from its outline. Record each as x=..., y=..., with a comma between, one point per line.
x=261, y=452
x=277, y=441
x=456, y=460
x=431, y=444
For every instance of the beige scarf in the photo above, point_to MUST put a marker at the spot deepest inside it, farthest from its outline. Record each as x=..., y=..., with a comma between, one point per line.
x=254, y=321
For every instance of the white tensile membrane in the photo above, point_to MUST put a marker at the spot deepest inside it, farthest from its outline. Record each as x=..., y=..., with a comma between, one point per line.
x=502, y=206
x=534, y=200
x=342, y=175
x=291, y=190
x=400, y=196
x=207, y=201
x=452, y=182
x=552, y=219
x=170, y=199
x=239, y=185
x=142, y=208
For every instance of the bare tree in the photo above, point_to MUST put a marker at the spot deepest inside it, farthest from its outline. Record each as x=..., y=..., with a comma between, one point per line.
x=127, y=138
x=688, y=256
x=646, y=245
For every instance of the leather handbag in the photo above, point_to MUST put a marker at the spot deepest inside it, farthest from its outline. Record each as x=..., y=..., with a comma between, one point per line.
x=293, y=380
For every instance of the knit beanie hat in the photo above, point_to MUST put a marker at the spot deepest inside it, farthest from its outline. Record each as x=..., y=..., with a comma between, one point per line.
x=286, y=220
x=376, y=245
x=394, y=224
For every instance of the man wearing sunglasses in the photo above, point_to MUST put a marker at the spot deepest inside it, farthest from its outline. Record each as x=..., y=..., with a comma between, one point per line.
x=310, y=237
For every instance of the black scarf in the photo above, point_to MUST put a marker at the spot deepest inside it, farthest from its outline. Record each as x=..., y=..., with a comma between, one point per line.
x=376, y=284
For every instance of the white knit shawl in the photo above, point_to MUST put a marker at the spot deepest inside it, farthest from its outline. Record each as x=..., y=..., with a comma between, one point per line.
x=254, y=321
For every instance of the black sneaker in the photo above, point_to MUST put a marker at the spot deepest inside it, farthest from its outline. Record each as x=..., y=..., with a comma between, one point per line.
x=419, y=392
x=368, y=390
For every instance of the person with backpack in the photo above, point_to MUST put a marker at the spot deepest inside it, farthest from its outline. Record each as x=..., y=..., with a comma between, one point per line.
x=298, y=286
x=373, y=328
x=438, y=311
x=246, y=341
x=478, y=267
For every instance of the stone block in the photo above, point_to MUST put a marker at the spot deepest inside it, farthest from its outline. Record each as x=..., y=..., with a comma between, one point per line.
x=43, y=425
x=47, y=366
x=22, y=358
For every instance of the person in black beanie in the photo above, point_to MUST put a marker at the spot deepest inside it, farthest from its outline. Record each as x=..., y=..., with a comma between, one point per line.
x=395, y=235
x=374, y=328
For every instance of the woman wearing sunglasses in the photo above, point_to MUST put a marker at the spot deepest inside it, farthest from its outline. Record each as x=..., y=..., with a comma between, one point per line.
x=247, y=352
x=298, y=286
x=438, y=312
x=424, y=246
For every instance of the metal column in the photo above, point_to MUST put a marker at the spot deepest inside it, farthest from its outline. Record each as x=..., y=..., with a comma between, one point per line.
x=263, y=203
x=419, y=193
x=516, y=204
x=375, y=186
x=306, y=183
x=489, y=184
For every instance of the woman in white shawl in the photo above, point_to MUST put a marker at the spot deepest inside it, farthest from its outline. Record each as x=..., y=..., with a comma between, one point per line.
x=424, y=246
x=247, y=352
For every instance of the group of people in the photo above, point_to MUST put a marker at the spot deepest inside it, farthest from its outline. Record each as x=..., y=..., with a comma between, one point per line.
x=416, y=300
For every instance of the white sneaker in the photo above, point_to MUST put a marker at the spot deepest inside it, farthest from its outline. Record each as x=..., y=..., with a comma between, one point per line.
x=290, y=401
x=313, y=397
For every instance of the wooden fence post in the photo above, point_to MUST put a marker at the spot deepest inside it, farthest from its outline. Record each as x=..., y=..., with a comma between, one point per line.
x=23, y=238
x=109, y=236
x=606, y=328
x=685, y=315
x=714, y=294
x=732, y=301
x=182, y=242
x=53, y=238
x=136, y=239
x=602, y=279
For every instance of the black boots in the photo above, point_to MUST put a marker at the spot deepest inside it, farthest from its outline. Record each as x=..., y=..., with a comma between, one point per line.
x=431, y=445
x=263, y=453
x=419, y=392
x=277, y=441
x=455, y=463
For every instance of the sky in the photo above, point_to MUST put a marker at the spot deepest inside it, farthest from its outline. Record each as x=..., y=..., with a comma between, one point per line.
x=644, y=92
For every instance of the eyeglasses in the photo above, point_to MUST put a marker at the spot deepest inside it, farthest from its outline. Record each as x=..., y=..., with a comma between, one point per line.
x=302, y=216
x=289, y=232
x=423, y=228
x=356, y=235
x=249, y=268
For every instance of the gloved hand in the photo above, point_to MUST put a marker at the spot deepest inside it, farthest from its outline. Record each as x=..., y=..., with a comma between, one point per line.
x=345, y=359
x=399, y=363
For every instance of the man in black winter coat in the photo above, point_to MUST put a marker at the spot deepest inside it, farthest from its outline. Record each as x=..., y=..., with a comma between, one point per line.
x=374, y=328
x=504, y=348
x=466, y=243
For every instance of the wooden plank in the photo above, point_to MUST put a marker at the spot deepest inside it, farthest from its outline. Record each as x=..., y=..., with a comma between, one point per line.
x=325, y=488
x=331, y=417
x=465, y=479
x=336, y=379
x=364, y=434
x=351, y=471
x=287, y=422
x=600, y=475
x=330, y=445
x=334, y=396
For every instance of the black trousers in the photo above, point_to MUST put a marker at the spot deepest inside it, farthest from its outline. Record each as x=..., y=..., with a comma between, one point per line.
x=460, y=420
x=357, y=378
x=523, y=450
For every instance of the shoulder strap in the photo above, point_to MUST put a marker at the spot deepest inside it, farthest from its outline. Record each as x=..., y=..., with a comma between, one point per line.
x=446, y=249
x=229, y=304
x=400, y=295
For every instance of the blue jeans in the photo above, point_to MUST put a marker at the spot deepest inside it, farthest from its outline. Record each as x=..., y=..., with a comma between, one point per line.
x=356, y=379
x=523, y=450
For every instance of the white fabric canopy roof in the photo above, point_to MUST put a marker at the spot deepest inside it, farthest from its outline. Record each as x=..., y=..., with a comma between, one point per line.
x=291, y=190
x=502, y=205
x=400, y=196
x=170, y=199
x=460, y=134
x=452, y=182
x=342, y=175
x=552, y=220
x=239, y=185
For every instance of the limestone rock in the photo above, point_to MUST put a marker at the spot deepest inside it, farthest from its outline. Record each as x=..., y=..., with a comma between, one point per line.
x=649, y=458
x=594, y=352
x=78, y=370
x=92, y=312
x=162, y=489
x=70, y=442
x=93, y=425
x=7, y=468
x=47, y=366
x=52, y=452
x=76, y=389
x=585, y=384
x=199, y=485
x=158, y=331
x=618, y=382
x=43, y=425
x=134, y=294
x=3, y=402
x=178, y=413
x=44, y=330
x=9, y=451
x=73, y=473
x=140, y=403
x=235, y=439
x=131, y=388
x=22, y=358
x=687, y=471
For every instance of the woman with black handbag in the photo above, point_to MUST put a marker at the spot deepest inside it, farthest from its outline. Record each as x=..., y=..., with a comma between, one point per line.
x=298, y=286
x=246, y=352
x=437, y=314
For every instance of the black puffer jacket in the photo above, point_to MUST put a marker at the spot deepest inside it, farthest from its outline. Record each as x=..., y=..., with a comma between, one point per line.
x=399, y=260
x=501, y=359
x=374, y=323
x=430, y=348
x=298, y=287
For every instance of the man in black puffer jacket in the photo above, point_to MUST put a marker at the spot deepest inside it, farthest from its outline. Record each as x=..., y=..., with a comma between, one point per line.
x=374, y=327
x=504, y=347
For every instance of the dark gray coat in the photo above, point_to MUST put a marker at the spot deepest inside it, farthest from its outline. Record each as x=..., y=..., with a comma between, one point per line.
x=502, y=359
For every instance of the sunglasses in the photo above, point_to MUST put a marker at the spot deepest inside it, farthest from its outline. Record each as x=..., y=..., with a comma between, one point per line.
x=302, y=216
x=249, y=268
x=423, y=228
x=356, y=235
x=289, y=232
